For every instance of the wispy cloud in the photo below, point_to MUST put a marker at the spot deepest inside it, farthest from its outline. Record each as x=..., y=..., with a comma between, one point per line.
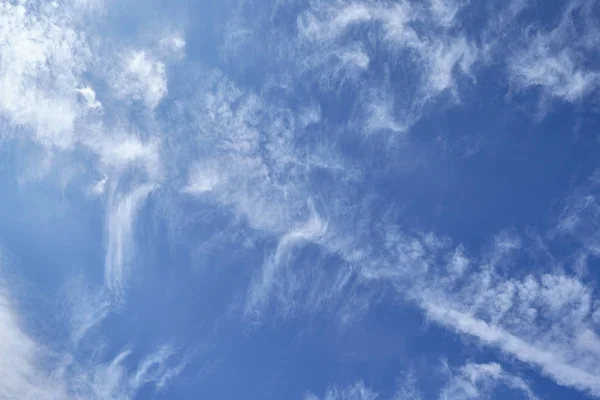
x=579, y=216
x=534, y=319
x=120, y=221
x=476, y=381
x=434, y=51
x=85, y=307
x=309, y=232
x=358, y=391
x=67, y=95
x=254, y=155
x=141, y=77
x=544, y=317
x=30, y=370
x=553, y=59
x=42, y=59
x=470, y=381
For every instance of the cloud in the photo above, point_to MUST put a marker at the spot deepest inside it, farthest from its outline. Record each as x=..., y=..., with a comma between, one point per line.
x=141, y=78
x=42, y=57
x=245, y=156
x=140, y=73
x=20, y=378
x=470, y=381
x=444, y=59
x=99, y=187
x=358, y=391
x=89, y=95
x=32, y=371
x=68, y=97
x=382, y=115
x=172, y=46
x=121, y=215
x=250, y=153
x=119, y=151
x=557, y=74
x=154, y=369
x=308, y=232
x=436, y=52
x=244, y=159
x=445, y=11
x=536, y=314
x=354, y=57
x=578, y=218
x=564, y=372
x=475, y=381
x=536, y=319
x=85, y=308
x=45, y=56
x=554, y=60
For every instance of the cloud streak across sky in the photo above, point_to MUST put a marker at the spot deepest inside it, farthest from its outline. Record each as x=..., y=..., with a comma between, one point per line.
x=313, y=199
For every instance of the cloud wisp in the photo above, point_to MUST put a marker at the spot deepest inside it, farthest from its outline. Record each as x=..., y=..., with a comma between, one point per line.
x=470, y=381
x=286, y=157
x=121, y=218
x=553, y=59
x=544, y=319
x=64, y=95
x=31, y=370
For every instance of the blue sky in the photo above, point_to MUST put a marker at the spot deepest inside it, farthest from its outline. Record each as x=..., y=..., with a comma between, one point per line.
x=295, y=199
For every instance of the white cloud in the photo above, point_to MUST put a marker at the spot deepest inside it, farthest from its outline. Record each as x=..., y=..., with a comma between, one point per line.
x=89, y=95
x=535, y=319
x=564, y=372
x=48, y=103
x=547, y=319
x=41, y=58
x=356, y=57
x=444, y=58
x=121, y=215
x=445, y=11
x=552, y=60
x=30, y=370
x=579, y=218
x=141, y=73
x=471, y=381
x=99, y=187
x=339, y=19
x=431, y=57
x=121, y=151
x=383, y=116
x=439, y=51
x=142, y=78
x=557, y=74
x=358, y=391
x=20, y=378
x=85, y=308
x=310, y=231
x=156, y=370
x=244, y=156
x=172, y=46
x=43, y=54
x=204, y=176
x=476, y=381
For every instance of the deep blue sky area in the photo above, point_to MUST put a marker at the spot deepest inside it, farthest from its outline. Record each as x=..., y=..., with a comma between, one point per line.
x=325, y=199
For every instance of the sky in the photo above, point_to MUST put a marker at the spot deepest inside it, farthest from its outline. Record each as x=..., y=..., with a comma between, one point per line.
x=299, y=199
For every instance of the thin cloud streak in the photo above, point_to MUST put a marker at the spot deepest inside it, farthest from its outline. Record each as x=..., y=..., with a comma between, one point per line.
x=32, y=371
x=120, y=222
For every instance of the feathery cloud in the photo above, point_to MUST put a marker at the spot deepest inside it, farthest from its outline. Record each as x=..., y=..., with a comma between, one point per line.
x=553, y=59
x=120, y=222
x=31, y=370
